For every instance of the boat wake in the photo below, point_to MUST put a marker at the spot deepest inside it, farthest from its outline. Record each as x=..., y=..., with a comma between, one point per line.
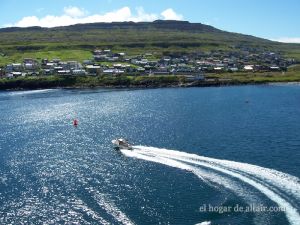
x=13, y=93
x=281, y=188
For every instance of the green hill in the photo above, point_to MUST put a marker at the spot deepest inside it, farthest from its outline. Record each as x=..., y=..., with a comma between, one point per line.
x=77, y=41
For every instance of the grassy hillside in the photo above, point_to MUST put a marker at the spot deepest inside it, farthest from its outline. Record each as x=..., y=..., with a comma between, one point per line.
x=291, y=75
x=76, y=42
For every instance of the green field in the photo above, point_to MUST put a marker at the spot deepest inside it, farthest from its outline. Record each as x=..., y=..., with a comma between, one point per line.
x=292, y=75
x=18, y=56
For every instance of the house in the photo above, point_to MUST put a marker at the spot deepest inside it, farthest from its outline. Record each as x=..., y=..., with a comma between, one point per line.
x=9, y=68
x=79, y=72
x=117, y=65
x=233, y=69
x=100, y=57
x=50, y=65
x=9, y=75
x=47, y=71
x=16, y=74
x=275, y=68
x=31, y=73
x=45, y=61
x=121, y=54
x=64, y=72
x=17, y=67
x=152, y=62
x=141, y=69
x=161, y=73
x=198, y=77
x=113, y=71
x=29, y=66
x=218, y=69
x=248, y=68
x=57, y=68
x=97, y=52
x=167, y=59
x=1, y=72
x=73, y=65
x=114, y=59
x=64, y=65
x=92, y=69
x=140, y=62
x=56, y=60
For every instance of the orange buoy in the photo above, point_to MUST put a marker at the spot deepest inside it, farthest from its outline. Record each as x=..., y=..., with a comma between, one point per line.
x=75, y=122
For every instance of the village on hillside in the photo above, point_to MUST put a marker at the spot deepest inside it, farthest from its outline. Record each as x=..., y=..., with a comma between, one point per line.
x=192, y=65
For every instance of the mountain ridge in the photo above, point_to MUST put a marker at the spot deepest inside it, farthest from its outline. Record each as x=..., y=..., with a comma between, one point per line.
x=178, y=25
x=125, y=25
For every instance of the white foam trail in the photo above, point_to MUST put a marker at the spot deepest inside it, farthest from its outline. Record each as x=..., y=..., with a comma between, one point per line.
x=290, y=211
x=258, y=177
x=173, y=163
x=204, y=223
x=209, y=178
x=111, y=208
x=165, y=161
x=284, y=182
x=79, y=204
x=30, y=92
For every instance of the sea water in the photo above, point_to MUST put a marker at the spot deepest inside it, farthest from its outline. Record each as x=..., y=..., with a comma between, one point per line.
x=217, y=155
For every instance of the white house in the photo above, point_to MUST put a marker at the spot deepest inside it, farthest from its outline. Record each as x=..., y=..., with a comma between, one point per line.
x=29, y=66
x=113, y=71
x=248, y=68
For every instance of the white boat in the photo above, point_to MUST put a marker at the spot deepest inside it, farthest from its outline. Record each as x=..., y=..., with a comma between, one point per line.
x=122, y=143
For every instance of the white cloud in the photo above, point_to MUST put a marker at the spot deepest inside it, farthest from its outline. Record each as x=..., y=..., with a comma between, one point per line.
x=32, y=20
x=170, y=14
x=74, y=11
x=288, y=39
x=143, y=16
x=75, y=15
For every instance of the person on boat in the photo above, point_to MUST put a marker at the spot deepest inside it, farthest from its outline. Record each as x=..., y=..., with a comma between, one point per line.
x=75, y=122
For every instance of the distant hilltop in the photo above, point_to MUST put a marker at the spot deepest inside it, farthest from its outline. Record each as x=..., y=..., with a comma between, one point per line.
x=160, y=25
x=157, y=24
x=182, y=33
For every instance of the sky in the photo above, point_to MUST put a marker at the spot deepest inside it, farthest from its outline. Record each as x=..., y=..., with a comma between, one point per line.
x=271, y=19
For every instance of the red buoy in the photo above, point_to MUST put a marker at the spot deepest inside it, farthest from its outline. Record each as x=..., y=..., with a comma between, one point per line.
x=75, y=122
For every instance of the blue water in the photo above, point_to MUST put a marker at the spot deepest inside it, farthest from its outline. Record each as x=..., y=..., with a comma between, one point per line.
x=54, y=173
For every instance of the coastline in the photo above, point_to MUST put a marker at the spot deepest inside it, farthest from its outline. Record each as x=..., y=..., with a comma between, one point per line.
x=155, y=81
x=151, y=86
